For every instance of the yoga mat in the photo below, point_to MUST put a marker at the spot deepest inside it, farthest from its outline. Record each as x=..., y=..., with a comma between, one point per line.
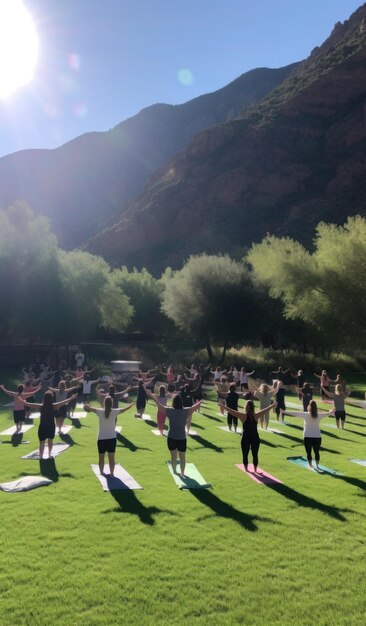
x=192, y=433
x=260, y=476
x=79, y=415
x=121, y=481
x=192, y=480
x=302, y=462
x=293, y=405
x=35, y=415
x=226, y=429
x=331, y=426
x=157, y=432
x=221, y=415
x=13, y=430
x=361, y=404
x=57, y=449
x=144, y=416
x=274, y=431
x=65, y=430
x=118, y=429
x=359, y=461
x=279, y=423
x=25, y=483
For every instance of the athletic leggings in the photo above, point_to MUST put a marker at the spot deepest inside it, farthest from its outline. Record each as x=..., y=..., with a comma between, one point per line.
x=265, y=419
x=312, y=443
x=232, y=420
x=160, y=418
x=248, y=443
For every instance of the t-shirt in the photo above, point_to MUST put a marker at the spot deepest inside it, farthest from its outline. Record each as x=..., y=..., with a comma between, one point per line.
x=338, y=402
x=232, y=400
x=79, y=359
x=177, y=422
x=311, y=424
x=265, y=399
x=107, y=425
x=87, y=386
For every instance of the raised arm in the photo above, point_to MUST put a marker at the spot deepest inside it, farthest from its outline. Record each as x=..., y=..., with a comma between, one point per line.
x=125, y=408
x=57, y=405
x=9, y=393
x=259, y=414
x=32, y=405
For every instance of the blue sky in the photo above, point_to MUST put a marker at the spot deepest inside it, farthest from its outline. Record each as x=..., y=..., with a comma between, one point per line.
x=102, y=61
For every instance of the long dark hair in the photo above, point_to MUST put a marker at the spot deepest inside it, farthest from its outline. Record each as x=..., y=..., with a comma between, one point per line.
x=47, y=405
x=249, y=409
x=107, y=406
x=177, y=402
x=313, y=409
x=111, y=390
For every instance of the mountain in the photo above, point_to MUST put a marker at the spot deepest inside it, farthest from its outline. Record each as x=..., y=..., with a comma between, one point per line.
x=292, y=160
x=86, y=183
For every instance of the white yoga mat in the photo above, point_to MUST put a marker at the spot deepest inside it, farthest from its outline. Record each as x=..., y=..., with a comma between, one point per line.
x=121, y=481
x=294, y=405
x=157, y=432
x=57, y=449
x=359, y=461
x=227, y=430
x=192, y=433
x=118, y=429
x=331, y=426
x=25, y=483
x=35, y=415
x=79, y=415
x=275, y=431
x=13, y=430
x=65, y=430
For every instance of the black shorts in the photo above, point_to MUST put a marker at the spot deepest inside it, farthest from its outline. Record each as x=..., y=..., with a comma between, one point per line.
x=62, y=411
x=340, y=415
x=19, y=416
x=140, y=405
x=106, y=445
x=46, y=431
x=177, y=444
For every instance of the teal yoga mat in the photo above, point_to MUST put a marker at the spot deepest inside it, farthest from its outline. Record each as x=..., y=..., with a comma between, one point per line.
x=192, y=480
x=302, y=462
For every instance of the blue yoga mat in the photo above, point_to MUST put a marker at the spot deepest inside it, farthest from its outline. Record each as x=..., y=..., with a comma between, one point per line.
x=302, y=462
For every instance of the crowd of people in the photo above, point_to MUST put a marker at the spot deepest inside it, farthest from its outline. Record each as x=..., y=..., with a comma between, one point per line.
x=61, y=389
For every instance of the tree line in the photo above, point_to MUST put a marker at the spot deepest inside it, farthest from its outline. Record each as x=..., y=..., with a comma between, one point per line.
x=279, y=295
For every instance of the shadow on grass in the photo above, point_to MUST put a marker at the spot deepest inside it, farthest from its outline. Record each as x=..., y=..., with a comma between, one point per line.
x=326, y=432
x=48, y=469
x=297, y=440
x=354, y=432
x=66, y=438
x=355, y=482
x=127, y=443
x=194, y=425
x=355, y=423
x=206, y=444
x=15, y=441
x=129, y=503
x=309, y=503
x=227, y=511
x=212, y=417
x=270, y=444
x=75, y=422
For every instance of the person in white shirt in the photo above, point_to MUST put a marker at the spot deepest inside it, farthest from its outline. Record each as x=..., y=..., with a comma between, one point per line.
x=312, y=433
x=79, y=359
x=107, y=437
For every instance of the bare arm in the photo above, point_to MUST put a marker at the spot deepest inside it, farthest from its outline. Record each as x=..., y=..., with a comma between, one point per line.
x=32, y=405
x=259, y=414
x=57, y=405
x=125, y=408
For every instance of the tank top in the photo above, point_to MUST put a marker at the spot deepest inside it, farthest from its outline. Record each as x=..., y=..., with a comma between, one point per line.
x=250, y=428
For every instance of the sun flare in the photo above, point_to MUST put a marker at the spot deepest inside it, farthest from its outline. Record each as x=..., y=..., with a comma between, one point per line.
x=18, y=46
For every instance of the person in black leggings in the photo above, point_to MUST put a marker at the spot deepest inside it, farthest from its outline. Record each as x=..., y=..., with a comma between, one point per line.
x=250, y=438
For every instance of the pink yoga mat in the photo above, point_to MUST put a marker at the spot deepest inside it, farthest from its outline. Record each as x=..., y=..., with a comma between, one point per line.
x=260, y=476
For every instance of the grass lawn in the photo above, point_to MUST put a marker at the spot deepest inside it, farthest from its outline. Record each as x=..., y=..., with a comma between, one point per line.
x=238, y=553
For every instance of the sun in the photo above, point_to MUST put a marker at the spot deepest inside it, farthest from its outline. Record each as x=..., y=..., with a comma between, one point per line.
x=18, y=46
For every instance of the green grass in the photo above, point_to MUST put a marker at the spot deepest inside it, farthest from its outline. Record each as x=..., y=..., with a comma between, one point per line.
x=240, y=553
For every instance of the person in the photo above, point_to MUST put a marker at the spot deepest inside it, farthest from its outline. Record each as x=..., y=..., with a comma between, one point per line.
x=19, y=410
x=162, y=396
x=222, y=389
x=179, y=421
x=280, y=400
x=250, y=438
x=305, y=393
x=141, y=399
x=170, y=377
x=312, y=433
x=244, y=378
x=87, y=386
x=339, y=398
x=195, y=386
x=232, y=399
x=265, y=394
x=79, y=359
x=280, y=374
x=61, y=393
x=107, y=437
x=324, y=383
x=47, y=427
x=217, y=373
x=300, y=380
x=115, y=395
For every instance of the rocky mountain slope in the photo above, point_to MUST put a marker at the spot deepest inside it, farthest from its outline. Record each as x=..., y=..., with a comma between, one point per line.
x=296, y=158
x=86, y=183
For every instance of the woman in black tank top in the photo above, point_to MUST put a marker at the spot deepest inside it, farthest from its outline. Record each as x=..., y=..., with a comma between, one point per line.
x=250, y=438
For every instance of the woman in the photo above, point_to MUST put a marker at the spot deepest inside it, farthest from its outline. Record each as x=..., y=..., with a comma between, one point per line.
x=250, y=438
x=339, y=399
x=244, y=378
x=280, y=400
x=162, y=396
x=87, y=386
x=61, y=393
x=19, y=410
x=47, y=427
x=305, y=393
x=232, y=399
x=107, y=438
x=324, y=383
x=115, y=395
x=179, y=420
x=170, y=377
x=141, y=399
x=265, y=395
x=222, y=389
x=312, y=433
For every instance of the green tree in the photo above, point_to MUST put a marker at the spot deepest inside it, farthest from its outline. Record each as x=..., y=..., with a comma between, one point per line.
x=211, y=298
x=325, y=288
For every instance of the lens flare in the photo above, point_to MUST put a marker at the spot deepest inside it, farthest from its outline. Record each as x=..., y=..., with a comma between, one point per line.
x=185, y=76
x=74, y=61
x=80, y=109
x=18, y=46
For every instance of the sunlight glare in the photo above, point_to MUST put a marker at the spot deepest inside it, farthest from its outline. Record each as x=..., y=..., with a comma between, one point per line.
x=18, y=46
